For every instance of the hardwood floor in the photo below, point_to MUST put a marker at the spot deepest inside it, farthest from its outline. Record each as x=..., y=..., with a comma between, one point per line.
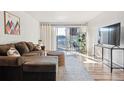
x=101, y=72
x=72, y=70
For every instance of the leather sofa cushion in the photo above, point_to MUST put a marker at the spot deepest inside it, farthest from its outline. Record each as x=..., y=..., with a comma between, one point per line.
x=40, y=52
x=31, y=54
x=22, y=47
x=11, y=61
x=30, y=46
x=5, y=48
x=40, y=64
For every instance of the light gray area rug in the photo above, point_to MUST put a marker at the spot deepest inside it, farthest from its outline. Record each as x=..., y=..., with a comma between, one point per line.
x=73, y=70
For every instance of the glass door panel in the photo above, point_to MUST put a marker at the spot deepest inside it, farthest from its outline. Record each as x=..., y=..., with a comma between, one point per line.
x=61, y=38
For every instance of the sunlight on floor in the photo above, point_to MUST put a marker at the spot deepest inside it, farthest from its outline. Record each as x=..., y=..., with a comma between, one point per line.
x=89, y=61
x=86, y=58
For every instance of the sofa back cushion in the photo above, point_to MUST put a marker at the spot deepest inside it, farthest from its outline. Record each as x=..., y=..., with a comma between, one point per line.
x=30, y=46
x=4, y=48
x=22, y=47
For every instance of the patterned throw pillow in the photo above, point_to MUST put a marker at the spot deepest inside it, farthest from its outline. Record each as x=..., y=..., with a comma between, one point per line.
x=38, y=47
x=13, y=52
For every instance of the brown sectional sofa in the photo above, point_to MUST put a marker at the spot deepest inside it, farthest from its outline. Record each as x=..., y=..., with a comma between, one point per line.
x=24, y=48
x=11, y=68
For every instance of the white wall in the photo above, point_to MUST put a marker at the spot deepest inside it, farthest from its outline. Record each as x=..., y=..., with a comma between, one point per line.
x=29, y=29
x=104, y=19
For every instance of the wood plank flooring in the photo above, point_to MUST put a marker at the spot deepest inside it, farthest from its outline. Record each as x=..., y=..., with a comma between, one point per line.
x=101, y=72
x=72, y=71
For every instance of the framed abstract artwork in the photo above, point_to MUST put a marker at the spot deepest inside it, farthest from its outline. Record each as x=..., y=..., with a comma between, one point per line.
x=12, y=24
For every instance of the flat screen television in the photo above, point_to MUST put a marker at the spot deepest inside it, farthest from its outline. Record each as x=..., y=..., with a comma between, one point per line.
x=110, y=34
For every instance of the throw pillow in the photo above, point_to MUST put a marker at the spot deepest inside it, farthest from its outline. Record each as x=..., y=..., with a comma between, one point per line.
x=22, y=47
x=4, y=49
x=13, y=52
x=30, y=46
x=38, y=47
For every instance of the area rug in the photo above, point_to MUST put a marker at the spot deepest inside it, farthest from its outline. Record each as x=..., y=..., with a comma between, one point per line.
x=73, y=70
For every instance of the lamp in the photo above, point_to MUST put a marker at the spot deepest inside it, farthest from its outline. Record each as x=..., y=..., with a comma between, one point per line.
x=40, y=43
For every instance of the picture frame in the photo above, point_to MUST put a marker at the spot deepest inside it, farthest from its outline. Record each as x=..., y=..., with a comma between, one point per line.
x=11, y=24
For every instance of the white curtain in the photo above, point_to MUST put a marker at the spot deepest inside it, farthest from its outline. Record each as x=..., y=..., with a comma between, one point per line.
x=48, y=36
x=83, y=28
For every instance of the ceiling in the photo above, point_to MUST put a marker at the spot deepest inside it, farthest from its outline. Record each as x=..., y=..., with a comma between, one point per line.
x=64, y=16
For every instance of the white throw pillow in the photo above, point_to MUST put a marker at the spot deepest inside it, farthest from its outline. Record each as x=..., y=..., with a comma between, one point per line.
x=38, y=47
x=13, y=52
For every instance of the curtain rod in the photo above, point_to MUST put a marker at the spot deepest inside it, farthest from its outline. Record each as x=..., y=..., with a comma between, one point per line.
x=67, y=25
x=61, y=24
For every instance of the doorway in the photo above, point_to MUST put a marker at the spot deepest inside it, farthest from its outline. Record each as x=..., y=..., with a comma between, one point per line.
x=71, y=39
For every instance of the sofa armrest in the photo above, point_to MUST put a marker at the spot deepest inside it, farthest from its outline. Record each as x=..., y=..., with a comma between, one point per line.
x=11, y=61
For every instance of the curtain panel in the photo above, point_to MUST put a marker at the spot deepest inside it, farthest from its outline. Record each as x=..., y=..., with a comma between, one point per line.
x=48, y=36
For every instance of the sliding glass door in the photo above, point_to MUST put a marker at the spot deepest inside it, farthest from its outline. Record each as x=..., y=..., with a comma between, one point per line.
x=71, y=39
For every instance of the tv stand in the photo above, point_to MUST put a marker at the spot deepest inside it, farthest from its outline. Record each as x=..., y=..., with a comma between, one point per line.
x=111, y=55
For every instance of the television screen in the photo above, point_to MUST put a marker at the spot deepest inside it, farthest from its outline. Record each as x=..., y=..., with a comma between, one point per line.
x=110, y=34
